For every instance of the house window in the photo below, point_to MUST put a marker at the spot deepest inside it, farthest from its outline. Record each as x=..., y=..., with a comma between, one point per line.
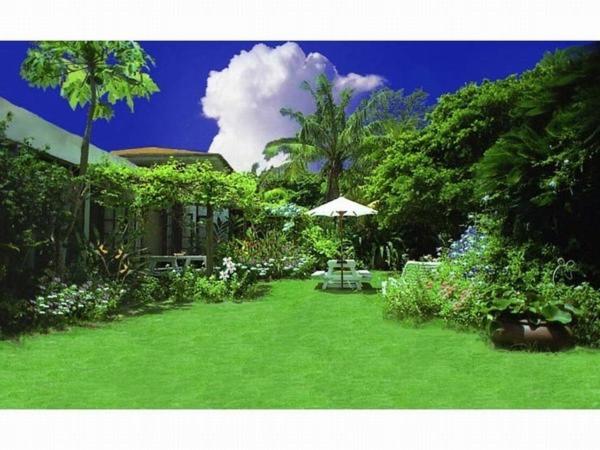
x=193, y=229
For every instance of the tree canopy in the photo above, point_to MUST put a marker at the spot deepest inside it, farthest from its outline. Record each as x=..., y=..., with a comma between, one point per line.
x=327, y=137
x=541, y=177
x=94, y=73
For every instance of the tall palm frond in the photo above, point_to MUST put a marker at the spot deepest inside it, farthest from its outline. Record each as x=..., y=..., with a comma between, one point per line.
x=327, y=136
x=300, y=155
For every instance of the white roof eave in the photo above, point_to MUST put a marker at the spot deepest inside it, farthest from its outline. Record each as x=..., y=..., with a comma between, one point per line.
x=42, y=135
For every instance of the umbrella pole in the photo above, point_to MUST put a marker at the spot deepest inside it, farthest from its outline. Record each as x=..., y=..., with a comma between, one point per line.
x=342, y=248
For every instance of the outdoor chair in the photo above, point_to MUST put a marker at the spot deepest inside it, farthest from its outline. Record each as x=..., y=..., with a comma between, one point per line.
x=412, y=271
x=415, y=269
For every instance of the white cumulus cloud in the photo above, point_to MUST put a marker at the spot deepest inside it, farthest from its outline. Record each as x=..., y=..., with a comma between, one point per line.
x=246, y=96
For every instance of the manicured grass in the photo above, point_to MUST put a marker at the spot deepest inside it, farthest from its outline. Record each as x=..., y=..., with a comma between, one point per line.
x=297, y=347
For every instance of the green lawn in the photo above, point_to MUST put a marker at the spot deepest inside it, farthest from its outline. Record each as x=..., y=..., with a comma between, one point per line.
x=298, y=347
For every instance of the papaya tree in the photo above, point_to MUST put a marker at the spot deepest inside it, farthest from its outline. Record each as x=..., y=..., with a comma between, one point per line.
x=92, y=74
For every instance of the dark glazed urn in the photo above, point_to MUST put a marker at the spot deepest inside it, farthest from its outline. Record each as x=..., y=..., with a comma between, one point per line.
x=517, y=333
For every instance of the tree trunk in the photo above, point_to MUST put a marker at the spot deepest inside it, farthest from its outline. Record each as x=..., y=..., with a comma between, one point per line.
x=341, y=257
x=210, y=240
x=333, y=181
x=80, y=187
x=87, y=135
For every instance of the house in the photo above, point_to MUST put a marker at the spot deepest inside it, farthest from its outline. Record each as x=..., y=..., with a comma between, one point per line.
x=180, y=229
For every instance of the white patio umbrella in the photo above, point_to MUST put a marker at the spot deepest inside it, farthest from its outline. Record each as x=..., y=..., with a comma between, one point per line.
x=341, y=207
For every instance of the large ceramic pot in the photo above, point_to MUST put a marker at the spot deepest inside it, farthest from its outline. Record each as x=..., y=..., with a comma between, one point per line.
x=519, y=333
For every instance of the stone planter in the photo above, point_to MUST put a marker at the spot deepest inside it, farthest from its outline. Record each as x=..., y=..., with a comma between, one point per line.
x=516, y=333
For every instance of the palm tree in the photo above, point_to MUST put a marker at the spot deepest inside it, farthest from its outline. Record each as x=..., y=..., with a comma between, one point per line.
x=327, y=136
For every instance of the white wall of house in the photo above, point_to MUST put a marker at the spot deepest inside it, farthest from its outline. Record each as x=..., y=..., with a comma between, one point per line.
x=45, y=136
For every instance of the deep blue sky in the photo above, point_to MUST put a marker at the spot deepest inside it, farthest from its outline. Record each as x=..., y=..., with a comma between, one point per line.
x=173, y=118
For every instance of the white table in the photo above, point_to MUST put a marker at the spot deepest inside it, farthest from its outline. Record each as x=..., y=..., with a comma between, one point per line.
x=188, y=259
x=173, y=262
x=333, y=277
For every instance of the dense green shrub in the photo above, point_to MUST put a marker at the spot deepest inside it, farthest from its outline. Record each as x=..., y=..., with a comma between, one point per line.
x=415, y=300
x=305, y=188
x=452, y=292
x=144, y=288
x=463, y=305
x=289, y=215
x=234, y=283
x=320, y=243
x=586, y=326
x=541, y=177
x=187, y=286
x=484, y=276
x=525, y=148
x=181, y=285
x=419, y=200
x=423, y=181
x=446, y=294
x=194, y=286
x=34, y=214
x=495, y=277
x=272, y=256
x=211, y=290
x=15, y=315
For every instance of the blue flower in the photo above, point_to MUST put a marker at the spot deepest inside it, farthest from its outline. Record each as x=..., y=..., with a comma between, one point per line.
x=470, y=240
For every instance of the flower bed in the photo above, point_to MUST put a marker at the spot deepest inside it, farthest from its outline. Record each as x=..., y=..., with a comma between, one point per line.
x=482, y=279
